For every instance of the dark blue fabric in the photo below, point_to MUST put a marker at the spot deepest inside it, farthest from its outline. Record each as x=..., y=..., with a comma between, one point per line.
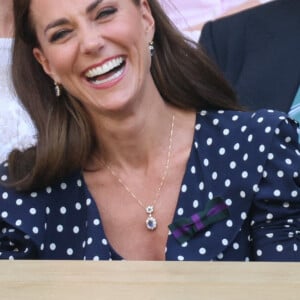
x=258, y=52
x=251, y=160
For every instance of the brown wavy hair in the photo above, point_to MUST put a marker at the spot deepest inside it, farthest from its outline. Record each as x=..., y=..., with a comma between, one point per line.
x=182, y=73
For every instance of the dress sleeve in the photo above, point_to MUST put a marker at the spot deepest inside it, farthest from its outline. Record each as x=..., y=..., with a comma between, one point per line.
x=276, y=211
x=14, y=244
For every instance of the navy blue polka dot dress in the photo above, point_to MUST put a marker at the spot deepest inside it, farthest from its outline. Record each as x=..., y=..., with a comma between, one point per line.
x=239, y=200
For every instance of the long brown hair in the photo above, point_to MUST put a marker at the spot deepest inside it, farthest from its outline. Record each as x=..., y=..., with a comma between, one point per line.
x=183, y=75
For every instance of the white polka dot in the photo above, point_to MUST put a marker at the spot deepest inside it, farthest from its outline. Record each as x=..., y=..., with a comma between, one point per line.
x=4, y=177
x=96, y=258
x=202, y=251
x=245, y=175
x=195, y=203
x=216, y=121
x=48, y=210
x=60, y=228
x=79, y=183
x=180, y=258
x=5, y=196
x=260, y=169
x=193, y=170
x=268, y=129
x=180, y=212
x=18, y=222
x=19, y=202
x=198, y=127
x=279, y=248
x=255, y=188
x=277, y=193
x=228, y=202
x=52, y=247
x=88, y=201
x=220, y=256
x=206, y=162
x=33, y=195
x=4, y=214
x=32, y=211
x=201, y=186
x=89, y=241
x=227, y=182
x=270, y=235
x=184, y=188
x=236, y=147
x=259, y=253
x=63, y=210
x=229, y=223
x=63, y=186
x=207, y=233
x=262, y=148
x=76, y=229
x=184, y=245
x=35, y=230
x=232, y=165
x=286, y=205
x=104, y=242
x=294, y=194
x=222, y=151
x=224, y=242
x=49, y=190
x=243, y=128
x=243, y=216
x=260, y=120
x=288, y=161
x=242, y=194
x=226, y=132
x=96, y=222
x=209, y=141
x=280, y=174
x=78, y=206
x=269, y=216
x=214, y=175
x=236, y=246
x=70, y=251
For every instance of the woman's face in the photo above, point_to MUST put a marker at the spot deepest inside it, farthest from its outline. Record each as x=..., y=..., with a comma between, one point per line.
x=98, y=50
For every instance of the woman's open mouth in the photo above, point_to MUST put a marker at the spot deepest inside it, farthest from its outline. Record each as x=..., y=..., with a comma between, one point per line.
x=108, y=72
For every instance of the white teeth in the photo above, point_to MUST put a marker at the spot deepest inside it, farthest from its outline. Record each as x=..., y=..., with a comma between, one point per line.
x=114, y=76
x=108, y=66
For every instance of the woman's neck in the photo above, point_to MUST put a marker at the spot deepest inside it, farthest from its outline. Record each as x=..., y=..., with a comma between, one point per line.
x=137, y=139
x=6, y=18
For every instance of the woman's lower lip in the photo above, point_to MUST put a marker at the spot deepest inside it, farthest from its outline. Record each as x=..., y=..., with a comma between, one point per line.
x=109, y=81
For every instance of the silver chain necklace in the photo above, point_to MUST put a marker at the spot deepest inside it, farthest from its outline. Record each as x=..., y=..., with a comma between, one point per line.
x=151, y=222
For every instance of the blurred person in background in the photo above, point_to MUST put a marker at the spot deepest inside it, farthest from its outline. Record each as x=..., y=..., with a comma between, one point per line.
x=16, y=128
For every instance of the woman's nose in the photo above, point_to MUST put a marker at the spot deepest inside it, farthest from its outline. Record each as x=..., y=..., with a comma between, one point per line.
x=91, y=40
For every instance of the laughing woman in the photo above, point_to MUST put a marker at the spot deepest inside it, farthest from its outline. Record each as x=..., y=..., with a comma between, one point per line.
x=143, y=152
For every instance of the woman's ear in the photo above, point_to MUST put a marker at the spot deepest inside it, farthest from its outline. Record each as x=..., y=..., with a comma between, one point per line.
x=147, y=18
x=43, y=61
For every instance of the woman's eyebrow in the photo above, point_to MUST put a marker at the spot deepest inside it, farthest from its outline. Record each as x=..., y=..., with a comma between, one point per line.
x=55, y=24
x=92, y=6
x=63, y=21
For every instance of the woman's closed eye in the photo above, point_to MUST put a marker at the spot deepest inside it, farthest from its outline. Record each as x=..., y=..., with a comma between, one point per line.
x=60, y=34
x=105, y=13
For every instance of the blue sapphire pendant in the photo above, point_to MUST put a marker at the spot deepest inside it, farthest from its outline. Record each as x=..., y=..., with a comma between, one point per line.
x=151, y=222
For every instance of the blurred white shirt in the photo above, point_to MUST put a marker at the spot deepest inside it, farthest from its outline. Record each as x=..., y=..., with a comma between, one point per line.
x=16, y=127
